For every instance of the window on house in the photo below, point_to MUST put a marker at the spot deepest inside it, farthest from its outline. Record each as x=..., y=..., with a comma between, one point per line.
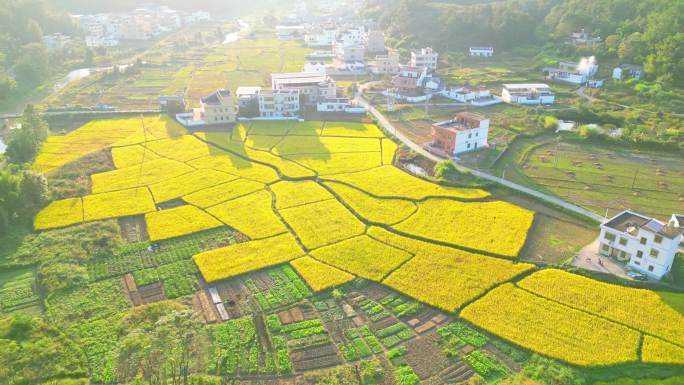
x=605, y=247
x=658, y=239
x=653, y=253
x=468, y=145
x=637, y=263
x=650, y=267
x=470, y=135
x=642, y=240
x=623, y=241
x=609, y=236
x=639, y=254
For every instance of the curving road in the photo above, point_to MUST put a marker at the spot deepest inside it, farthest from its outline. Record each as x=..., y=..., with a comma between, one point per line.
x=419, y=149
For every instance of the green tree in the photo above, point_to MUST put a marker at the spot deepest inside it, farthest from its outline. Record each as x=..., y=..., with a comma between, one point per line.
x=34, y=191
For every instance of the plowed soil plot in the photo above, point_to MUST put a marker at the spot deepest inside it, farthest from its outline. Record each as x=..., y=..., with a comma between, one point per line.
x=425, y=356
x=153, y=292
x=133, y=229
x=235, y=297
x=320, y=361
x=313, y=353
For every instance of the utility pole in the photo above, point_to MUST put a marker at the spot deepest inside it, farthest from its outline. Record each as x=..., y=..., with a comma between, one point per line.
x=635, y=176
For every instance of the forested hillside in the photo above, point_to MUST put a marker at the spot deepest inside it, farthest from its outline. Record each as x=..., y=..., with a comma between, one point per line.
x=24, y=61
x=647, y=32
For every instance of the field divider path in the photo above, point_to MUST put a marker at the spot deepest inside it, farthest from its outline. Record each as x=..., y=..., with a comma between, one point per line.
x=384, y=122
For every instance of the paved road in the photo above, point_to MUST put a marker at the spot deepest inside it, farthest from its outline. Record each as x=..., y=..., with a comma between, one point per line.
x=419, y=149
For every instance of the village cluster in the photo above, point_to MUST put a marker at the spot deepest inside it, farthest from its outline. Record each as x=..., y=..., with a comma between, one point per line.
x=142, y=23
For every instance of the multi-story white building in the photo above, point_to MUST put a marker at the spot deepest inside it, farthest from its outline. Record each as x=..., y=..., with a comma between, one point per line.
x=644, y=244
x=385, y=64
x=481, y=51
x=466, y=132
x=527, y=93
x=349, y=52
x=311, y=86
x=321, y=38
x=351, y=36
x=282, y=103
x=425, y=57
x=375, y=42
x=573, y=73
x=339, y=105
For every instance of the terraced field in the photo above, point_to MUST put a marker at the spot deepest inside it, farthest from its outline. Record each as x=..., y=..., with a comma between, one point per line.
x=325, y=198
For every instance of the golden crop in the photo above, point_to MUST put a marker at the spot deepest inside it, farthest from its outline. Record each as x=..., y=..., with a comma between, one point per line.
x=235, y=165
x=318, y=275
x=223, y=192
x=290, y=194
x=445, y=277
x=188, y=183
x=99, y=134
x=323, y=145
x=389, y=181
x=251, y=215
x=352, y=129
x=182, y=149
x=613, y=302
x=657, y=351
x=178, y=221
x=389, y=148
x=322, y=223
x=362, y=256
x=552, y=329
x=329, y=164
x=497, y=227
x=60, y=213
x=136, y=176
x=386, y=211
x=117, y=204
x=131, y=155
x=227, y=262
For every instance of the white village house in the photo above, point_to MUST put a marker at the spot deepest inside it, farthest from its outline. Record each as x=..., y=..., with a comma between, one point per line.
x=481, y=51
x=282, y=103
x=573, y=73
x=425, y=57
x=628, y=70
x=644, y=244
x=311, y=86
x=527, y=94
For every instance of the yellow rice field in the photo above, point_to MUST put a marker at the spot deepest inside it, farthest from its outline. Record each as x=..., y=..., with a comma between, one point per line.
x=115, y=204
x=61, y=213
x=362, y=256
x=318, y=275
x=386, y=211
x=322, y=223
x=227, y=262
x=552, y=329
x=657, y=351
x=178, y=221
x=495, y=227
x=616, y=303
x=251, y=215
x=389, y=181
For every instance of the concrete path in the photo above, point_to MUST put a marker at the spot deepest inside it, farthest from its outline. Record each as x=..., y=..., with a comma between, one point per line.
x=419, y=149
x=589, y=259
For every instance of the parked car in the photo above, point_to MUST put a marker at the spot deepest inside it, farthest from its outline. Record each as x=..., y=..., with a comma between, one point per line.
x=637, y=276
